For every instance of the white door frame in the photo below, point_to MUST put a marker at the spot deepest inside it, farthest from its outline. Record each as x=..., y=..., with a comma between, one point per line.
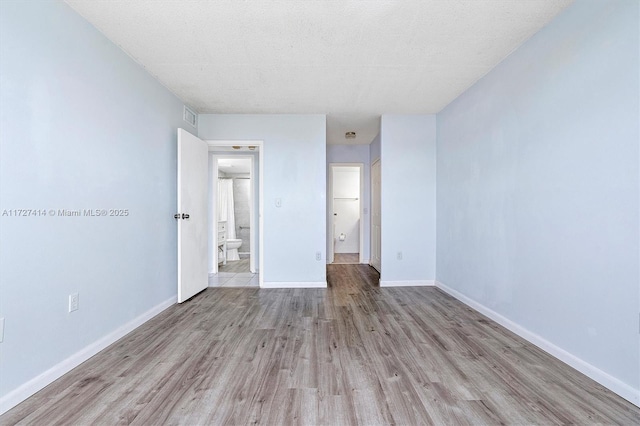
x=330, y=229
x=372, y=236
x=213, y=144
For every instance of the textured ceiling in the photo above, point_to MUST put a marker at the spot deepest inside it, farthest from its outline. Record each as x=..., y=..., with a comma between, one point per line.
x=352, y=60
x=234, y=165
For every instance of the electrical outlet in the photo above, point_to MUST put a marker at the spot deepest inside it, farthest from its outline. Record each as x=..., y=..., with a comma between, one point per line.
x=1, y=329
x=278, y=202
x=399, y=255
x=74, y=301
x=318, y=255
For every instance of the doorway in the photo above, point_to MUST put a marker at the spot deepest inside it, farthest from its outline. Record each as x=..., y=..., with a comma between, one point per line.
x=346, y=229
x=235, y=220
x=234, y=213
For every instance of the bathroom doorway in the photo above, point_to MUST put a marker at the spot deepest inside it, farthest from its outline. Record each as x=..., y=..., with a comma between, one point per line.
x=346, y=195
x=235, y=222
x=234, y=214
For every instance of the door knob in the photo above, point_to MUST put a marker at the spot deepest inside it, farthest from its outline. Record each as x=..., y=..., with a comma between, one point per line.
x=185, y=216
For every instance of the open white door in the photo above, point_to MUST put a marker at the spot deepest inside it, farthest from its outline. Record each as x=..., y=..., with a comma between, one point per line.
x=192, y=215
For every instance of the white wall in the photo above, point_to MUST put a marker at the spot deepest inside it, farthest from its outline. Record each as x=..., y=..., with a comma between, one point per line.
x=83, y=127
x=355, y=154
x=538, y=190
x=408, y=153
x=295, y=172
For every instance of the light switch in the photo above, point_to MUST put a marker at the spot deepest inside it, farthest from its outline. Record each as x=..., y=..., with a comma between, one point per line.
x=278, y=202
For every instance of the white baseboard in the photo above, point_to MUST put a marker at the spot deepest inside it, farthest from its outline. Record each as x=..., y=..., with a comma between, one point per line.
x=411, y=283
x=294, y=284
x=613, y=384
x=29, y=388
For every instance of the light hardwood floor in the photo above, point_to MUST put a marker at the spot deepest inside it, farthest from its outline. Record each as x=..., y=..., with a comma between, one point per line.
x=350, y=354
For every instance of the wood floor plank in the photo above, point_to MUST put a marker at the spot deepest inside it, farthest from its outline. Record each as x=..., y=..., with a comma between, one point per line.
x=352, y=354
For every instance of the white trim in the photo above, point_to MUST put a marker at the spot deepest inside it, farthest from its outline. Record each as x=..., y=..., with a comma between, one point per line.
x=410, y=283
x=252, y=217
x=213, y=214
x=371, y=198
x=261, y=214
x=331, y=229
x=293, y=284
x=615, y=385
x=29, y=388
x=361, y=220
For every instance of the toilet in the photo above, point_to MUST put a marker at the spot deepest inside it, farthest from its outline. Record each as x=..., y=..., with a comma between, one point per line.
x=233, y=243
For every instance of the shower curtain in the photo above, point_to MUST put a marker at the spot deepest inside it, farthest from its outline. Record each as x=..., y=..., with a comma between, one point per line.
x=226, y=212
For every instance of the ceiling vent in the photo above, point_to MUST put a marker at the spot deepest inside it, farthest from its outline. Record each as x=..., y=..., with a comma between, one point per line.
x=190, y=116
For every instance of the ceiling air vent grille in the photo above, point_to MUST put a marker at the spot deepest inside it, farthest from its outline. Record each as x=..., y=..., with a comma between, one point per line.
x=190, y=116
